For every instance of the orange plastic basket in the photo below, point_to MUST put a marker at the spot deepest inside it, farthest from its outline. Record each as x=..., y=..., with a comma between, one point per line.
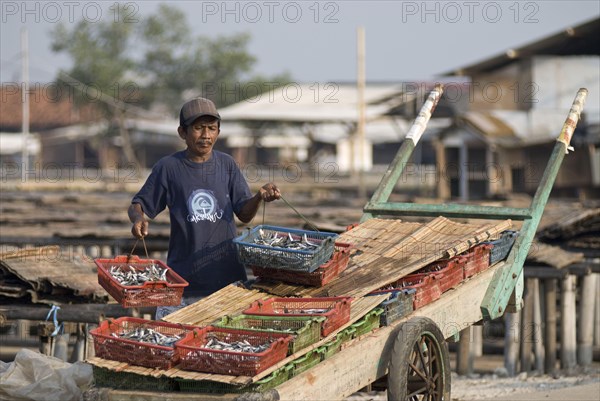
x=109, y=346
x=448, y=273
x=477, y=259
x=427, y=288
x=336, y=310
x=318, y=278
x=195, y=356
x=151, y=293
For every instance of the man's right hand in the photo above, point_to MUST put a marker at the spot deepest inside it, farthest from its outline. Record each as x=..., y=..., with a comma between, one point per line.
x=140, y=228
x=140, y=223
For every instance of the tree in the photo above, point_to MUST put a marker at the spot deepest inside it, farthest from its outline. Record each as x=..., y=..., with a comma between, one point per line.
x=168, y=64
x=101, y=62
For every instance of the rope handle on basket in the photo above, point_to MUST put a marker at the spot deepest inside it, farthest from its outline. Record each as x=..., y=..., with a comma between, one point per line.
x=135, y=245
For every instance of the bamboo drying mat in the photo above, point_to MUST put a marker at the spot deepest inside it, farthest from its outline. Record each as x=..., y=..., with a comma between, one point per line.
x=50, y=275
x=387, y=250
x=227, y=301
x=360, y=307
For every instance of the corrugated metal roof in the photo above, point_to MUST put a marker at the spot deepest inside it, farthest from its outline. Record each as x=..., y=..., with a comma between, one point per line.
x=515, y=128
x=316, y=103
x=580, y=39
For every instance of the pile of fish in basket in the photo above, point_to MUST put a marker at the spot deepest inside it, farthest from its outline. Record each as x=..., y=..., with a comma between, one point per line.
x=293, y=256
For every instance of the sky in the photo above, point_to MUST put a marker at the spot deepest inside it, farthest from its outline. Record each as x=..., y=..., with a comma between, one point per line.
x=315, y=41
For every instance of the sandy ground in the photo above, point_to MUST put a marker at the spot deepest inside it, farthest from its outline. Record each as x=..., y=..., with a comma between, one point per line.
x=583, y=386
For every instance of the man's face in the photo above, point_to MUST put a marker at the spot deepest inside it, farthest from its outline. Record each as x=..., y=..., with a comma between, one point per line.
x=200, y=136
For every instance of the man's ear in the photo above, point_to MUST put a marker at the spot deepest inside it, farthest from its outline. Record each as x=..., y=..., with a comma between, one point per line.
x=182, y=132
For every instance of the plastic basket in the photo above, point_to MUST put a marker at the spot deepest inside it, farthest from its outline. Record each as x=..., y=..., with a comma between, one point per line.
x=477, y=259
x=332, y=347
x=426, y=289
x=317, y=278
x=306, y=330
x=195, y=356
x=208, y=387
x=307, y=361
x=151, y=293
x=130, y=381
x=502, y=246
x=137, y=353
x=398, y=305
x=252, y=254
x=368, y=323
x=448, y=273
x=347, y=334
x=337, y=310
x=276, y=378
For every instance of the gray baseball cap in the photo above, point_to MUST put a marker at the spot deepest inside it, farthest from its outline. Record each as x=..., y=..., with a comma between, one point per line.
x=195, y=108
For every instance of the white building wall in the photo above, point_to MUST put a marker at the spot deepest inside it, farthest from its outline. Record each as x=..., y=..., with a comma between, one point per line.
x=556, y=80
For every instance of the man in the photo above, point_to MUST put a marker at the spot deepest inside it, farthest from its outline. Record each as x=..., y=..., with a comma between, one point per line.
x=203, y=189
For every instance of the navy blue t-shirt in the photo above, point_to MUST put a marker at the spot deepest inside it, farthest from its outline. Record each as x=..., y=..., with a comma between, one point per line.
x=202, y=199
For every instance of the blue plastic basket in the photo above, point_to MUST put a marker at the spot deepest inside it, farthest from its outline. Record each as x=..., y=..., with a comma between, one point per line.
x=398, y=305
x=273, y=257
x=502, y=246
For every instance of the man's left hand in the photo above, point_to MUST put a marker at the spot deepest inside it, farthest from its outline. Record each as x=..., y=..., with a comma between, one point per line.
x=269, y=192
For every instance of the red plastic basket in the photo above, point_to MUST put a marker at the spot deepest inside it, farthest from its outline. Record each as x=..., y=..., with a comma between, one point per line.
x=448, y=273
x=151, y=293
x=133, y=352
x=318, y=278
x=477, y=259
x=337, y=314
x=194, y=356
x=426, y=287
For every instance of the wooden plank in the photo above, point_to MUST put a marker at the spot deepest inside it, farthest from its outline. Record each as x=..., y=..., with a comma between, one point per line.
x=126, y=395
x=447, y=210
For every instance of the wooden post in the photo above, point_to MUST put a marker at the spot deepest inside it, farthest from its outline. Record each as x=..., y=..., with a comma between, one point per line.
x=550, y=289
x=585, y=333
x=597, y=314
x=512, y=323
x=568, y=331
x=443, y=182
x=46, y=341
x=477, y=340
x=79, y=349
x=61, y=348
x=464, y=358
x=90, y=352
x=527, y=328
x=538, y=342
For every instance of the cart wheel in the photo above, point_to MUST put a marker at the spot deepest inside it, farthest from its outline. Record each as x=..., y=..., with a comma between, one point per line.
x=419, y=366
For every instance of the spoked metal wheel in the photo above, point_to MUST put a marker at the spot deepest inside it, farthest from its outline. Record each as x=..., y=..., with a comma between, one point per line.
x=419, y=366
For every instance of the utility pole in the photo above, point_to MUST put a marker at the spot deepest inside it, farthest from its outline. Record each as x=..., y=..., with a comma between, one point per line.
x=360, y=126
x=25, y=103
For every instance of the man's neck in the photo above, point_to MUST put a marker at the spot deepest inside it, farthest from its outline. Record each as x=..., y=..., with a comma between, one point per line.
x=198, y=158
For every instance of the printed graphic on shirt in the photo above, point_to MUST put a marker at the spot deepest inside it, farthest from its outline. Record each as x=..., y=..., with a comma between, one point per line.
x=203, y=205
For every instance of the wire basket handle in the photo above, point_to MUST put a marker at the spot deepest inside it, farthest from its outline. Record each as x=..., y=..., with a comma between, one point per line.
x=133, y=249
x=311, y=225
